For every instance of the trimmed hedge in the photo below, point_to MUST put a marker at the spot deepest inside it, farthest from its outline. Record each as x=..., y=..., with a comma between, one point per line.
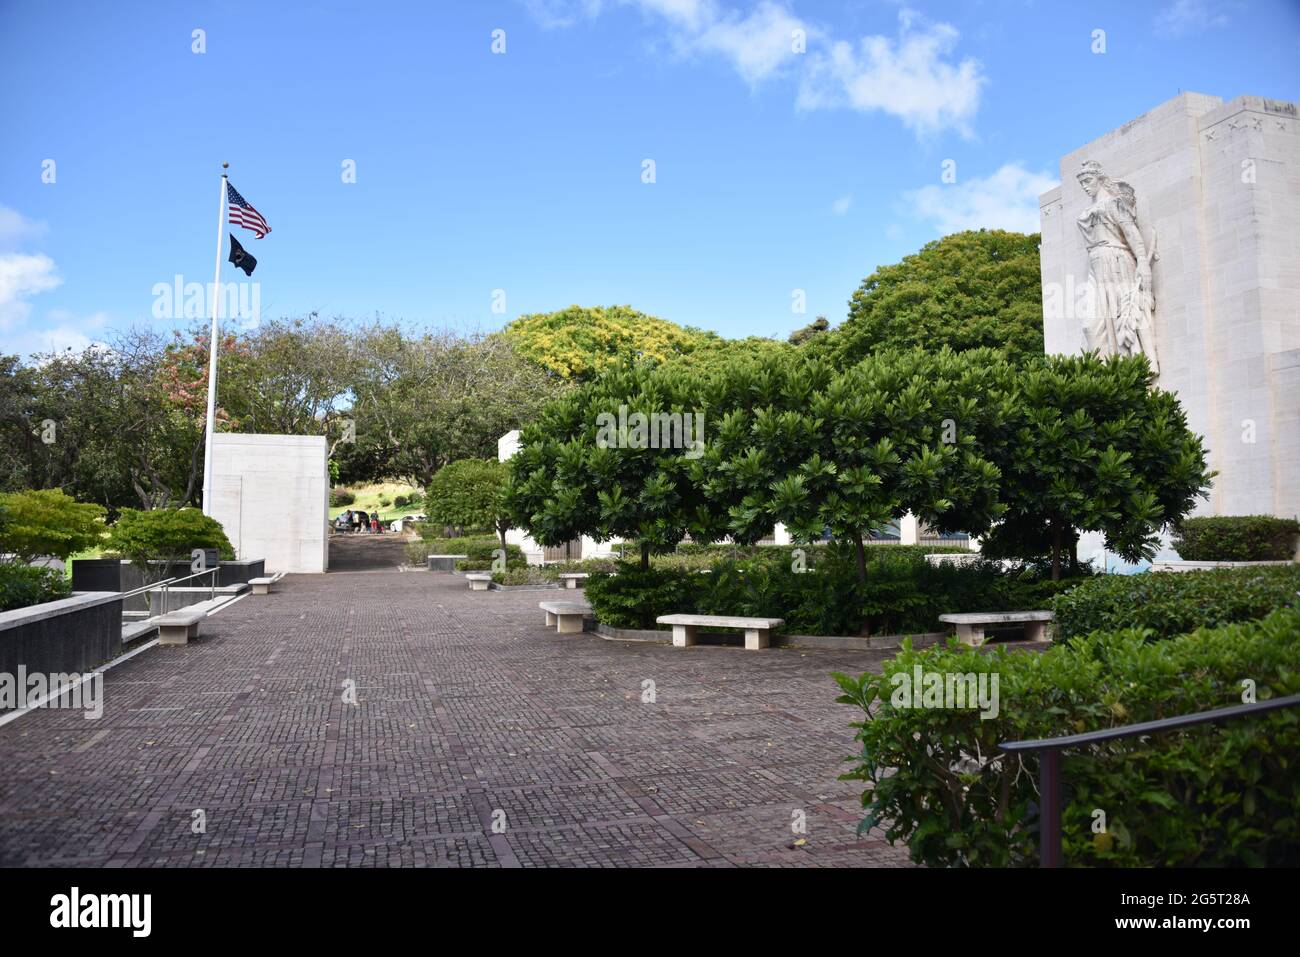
x=1237, y=538
x=1208, y=796
x=1174, y=603
x=24, y=585
x=903, y=594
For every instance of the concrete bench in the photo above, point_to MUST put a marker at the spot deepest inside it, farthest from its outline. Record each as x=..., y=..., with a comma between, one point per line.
x=972, y=625
x=478, y=581
x=261, y=586
x=566, y=616
x=757, y=630
x=179, y=627
x=571, y=579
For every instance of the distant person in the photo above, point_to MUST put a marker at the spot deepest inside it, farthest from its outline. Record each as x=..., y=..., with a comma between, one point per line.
x=374, y=522
x=344, y=521
x=358, y=523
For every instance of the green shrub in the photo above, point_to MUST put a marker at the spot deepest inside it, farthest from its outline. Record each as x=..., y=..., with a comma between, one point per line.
x=1237, y=538
x=1211, y=795
x=1174, y=603
x=24, y=585
x=401, y=501
x=528, y=575
x=47, y=522
x=471, y=565
x=166, y=534
x=635, y=597
x=341, y=496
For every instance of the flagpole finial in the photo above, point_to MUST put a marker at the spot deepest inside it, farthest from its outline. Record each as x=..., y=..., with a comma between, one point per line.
x=224, y=167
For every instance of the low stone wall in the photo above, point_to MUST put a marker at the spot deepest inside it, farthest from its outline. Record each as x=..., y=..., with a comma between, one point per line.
x=116, y=574
x=76, y=634
x=1180, y=566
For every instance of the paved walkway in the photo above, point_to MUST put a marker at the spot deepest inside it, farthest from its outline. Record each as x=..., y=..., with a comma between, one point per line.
x=479, y=738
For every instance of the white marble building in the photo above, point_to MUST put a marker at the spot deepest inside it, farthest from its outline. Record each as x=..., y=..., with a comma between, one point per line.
x=1217, y=189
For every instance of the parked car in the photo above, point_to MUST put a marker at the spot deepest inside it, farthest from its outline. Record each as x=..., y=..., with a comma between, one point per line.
x=398, y=524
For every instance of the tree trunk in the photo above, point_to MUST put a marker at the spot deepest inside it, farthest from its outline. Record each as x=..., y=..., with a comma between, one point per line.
x=645, y=556
x=862, y=557
x=1056, y=550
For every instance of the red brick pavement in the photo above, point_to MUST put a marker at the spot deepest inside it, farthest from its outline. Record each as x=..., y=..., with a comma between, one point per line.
x=469, y=713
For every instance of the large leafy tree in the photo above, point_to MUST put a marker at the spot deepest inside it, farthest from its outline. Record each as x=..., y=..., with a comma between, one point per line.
x=580, y=342
x=470, y=493
x=579, y=472
x=851, y=451
x=965, y=291
x=420, y=403
x=1094, y=448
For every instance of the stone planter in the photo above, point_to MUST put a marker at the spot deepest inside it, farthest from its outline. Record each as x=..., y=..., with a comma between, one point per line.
x=71, y=635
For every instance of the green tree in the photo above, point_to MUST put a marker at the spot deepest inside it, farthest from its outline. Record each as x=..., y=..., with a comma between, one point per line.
x=965, y=291
x=166, y=535
x=419, y=404
x=849, y=452
x=595, y=463
x=46, y=522
x=470, y=494
x=1095, y=448
x=582, y=341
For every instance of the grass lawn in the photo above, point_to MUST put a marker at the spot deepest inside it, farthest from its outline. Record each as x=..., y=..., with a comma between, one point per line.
x=368, y=499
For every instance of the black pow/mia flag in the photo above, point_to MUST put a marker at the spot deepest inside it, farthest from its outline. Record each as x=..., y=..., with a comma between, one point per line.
x=240, y=257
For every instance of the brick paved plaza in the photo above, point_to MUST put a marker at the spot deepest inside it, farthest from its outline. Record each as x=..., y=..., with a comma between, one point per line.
x=468, y=706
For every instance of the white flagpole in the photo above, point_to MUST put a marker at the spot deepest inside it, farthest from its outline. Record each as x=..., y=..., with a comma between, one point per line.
x=212, y=351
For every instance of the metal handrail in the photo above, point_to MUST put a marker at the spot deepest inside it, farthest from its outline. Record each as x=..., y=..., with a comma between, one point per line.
x=1049, y=769
x=144, y=588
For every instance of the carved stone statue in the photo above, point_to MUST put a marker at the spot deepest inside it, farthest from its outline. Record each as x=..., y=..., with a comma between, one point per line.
x=1119, y=270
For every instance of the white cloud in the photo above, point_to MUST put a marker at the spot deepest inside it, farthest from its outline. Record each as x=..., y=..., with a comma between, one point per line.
x=841, y=205
x=914, y=77
x=23, y=275
x=15, y=228
x=562, y=13
x=1190, y=16
x=1006, y=199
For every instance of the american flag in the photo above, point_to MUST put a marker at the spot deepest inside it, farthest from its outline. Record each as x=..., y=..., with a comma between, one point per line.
x=242, y=214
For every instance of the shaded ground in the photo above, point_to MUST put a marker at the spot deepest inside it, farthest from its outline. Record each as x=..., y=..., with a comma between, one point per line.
x=469, y=711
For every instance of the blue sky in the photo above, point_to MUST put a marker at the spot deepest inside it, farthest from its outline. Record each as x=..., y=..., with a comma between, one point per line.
x=522, y=171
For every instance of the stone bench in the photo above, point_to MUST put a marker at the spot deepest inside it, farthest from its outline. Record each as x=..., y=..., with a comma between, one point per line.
x=972, y=625
x=571, y=579
x=566, y=616
x=443, y=563
x=261, y=586
x=478, y=581
x=757, y=630
x=179, y=627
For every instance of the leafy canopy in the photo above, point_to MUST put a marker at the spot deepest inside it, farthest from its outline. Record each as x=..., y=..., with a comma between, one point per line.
x=47, y=522
x=969, y=290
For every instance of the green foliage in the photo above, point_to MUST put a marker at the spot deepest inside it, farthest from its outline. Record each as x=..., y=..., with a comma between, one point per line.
x=1208, y=796
x=1237, y=538
x=799, y=443
x=167, y=535
x=341, y=496
x=24, y=585
x=902, y=593
x=469, y=494
x=475, y=548
x=966, y=291
x=635, y=597
x=47, y=522
x=1090, y=445
x=1173, y=603
x=577, y=474
x=580, y=342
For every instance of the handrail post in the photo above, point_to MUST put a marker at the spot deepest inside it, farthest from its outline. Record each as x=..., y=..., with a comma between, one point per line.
x=1049, y=814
